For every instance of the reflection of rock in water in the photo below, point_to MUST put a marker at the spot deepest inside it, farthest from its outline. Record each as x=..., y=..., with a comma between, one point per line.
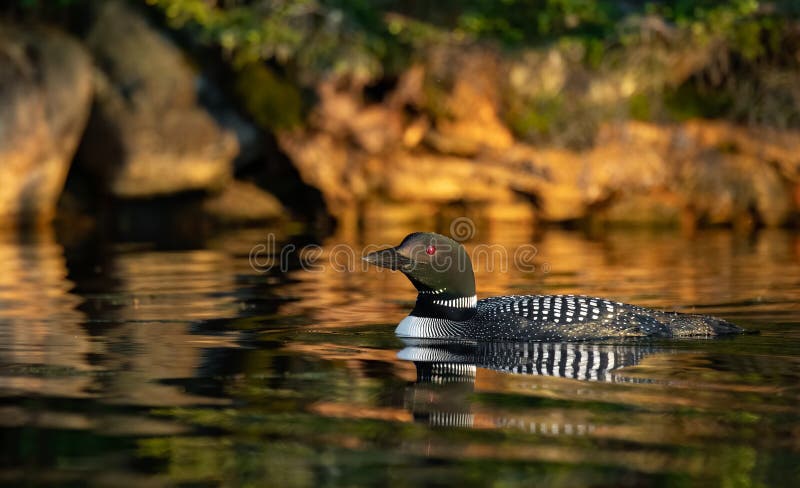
x=157, y=299
x=110, y=323
x=40, y=333
x=446, y=376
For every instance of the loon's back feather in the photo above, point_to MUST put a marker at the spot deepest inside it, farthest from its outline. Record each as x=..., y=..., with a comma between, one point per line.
x=575, y=317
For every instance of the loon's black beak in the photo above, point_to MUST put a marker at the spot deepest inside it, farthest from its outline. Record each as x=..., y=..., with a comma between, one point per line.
x=387, y=258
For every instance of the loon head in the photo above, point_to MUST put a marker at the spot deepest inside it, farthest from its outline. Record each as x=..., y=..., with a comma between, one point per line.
x=440, y=270
x=435, y=264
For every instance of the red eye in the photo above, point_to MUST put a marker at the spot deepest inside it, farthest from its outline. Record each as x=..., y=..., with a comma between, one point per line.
x=430, y=250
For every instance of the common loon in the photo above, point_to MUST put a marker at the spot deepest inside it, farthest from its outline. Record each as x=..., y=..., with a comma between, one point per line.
x=447, y=306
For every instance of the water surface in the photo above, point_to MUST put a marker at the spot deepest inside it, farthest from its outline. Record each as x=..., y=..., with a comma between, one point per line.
x=144, y=364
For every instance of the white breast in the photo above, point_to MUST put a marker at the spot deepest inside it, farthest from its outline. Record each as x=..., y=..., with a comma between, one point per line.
x=429, y=328
x=409, y=327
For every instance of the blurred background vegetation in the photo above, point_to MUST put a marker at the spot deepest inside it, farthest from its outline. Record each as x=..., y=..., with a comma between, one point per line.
x=564, y=68
x=751, y=48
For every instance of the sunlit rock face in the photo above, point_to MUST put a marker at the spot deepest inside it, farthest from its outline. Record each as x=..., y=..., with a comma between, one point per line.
x=425, y=141
x=463, y=90
x=442, y=136
x=243, y=202
x=45, y=90
x=147, y=134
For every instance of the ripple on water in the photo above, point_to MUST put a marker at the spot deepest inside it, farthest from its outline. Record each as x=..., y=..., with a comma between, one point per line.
x=188, y=366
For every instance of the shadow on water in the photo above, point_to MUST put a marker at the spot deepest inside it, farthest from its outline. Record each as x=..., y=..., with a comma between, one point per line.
x=134, y=364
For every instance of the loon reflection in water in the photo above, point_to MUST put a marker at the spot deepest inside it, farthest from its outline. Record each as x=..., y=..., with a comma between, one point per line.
x=446, y=374
x=438, y=362
x=447, y=306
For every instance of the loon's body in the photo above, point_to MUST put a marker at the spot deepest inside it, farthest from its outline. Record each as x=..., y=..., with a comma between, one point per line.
x=559, y=318
x=447, y=306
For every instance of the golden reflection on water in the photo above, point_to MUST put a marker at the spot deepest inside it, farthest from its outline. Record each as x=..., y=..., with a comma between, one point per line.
x=39, y=322
x=660, y=270
x=715, y=272
x=142, y=323
x=125, y=333
x=56, y=342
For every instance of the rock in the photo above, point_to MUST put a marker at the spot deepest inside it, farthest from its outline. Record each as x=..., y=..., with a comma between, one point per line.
x=516, y=211
x=467, y=119
x=728, y=188
x=324, y=162
x=45, y=93
x=415, y=132
x=242, y=202
x=437, y=141
x=656, y=208
x=373, y=128
x=410, y=89
x=352, y=151
x=639, y=173
x=727, y=174
x=147, y=134
x=380, y=214
x=377, y=129
x=472, y=125
x=336, y=108
x=440, y=179
x=249, y=137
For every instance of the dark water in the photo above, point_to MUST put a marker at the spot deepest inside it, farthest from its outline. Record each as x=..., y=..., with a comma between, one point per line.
x=131, y=365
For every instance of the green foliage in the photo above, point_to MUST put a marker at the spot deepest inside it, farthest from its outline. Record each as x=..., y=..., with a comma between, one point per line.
x=741, y=52
x=640, y=107
x=301, y=33
x=274, y=103
x=38, y=4
x=364, y=41
x=517, y=21
x=556, y=120
x=691, y=101
x=322, y=32
x=49, y=10
x=536, y=118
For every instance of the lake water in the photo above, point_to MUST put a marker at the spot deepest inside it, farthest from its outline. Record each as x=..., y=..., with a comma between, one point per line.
x=211, y=363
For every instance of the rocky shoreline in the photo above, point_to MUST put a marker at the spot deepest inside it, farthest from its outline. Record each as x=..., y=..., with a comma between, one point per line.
x=120, y=107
